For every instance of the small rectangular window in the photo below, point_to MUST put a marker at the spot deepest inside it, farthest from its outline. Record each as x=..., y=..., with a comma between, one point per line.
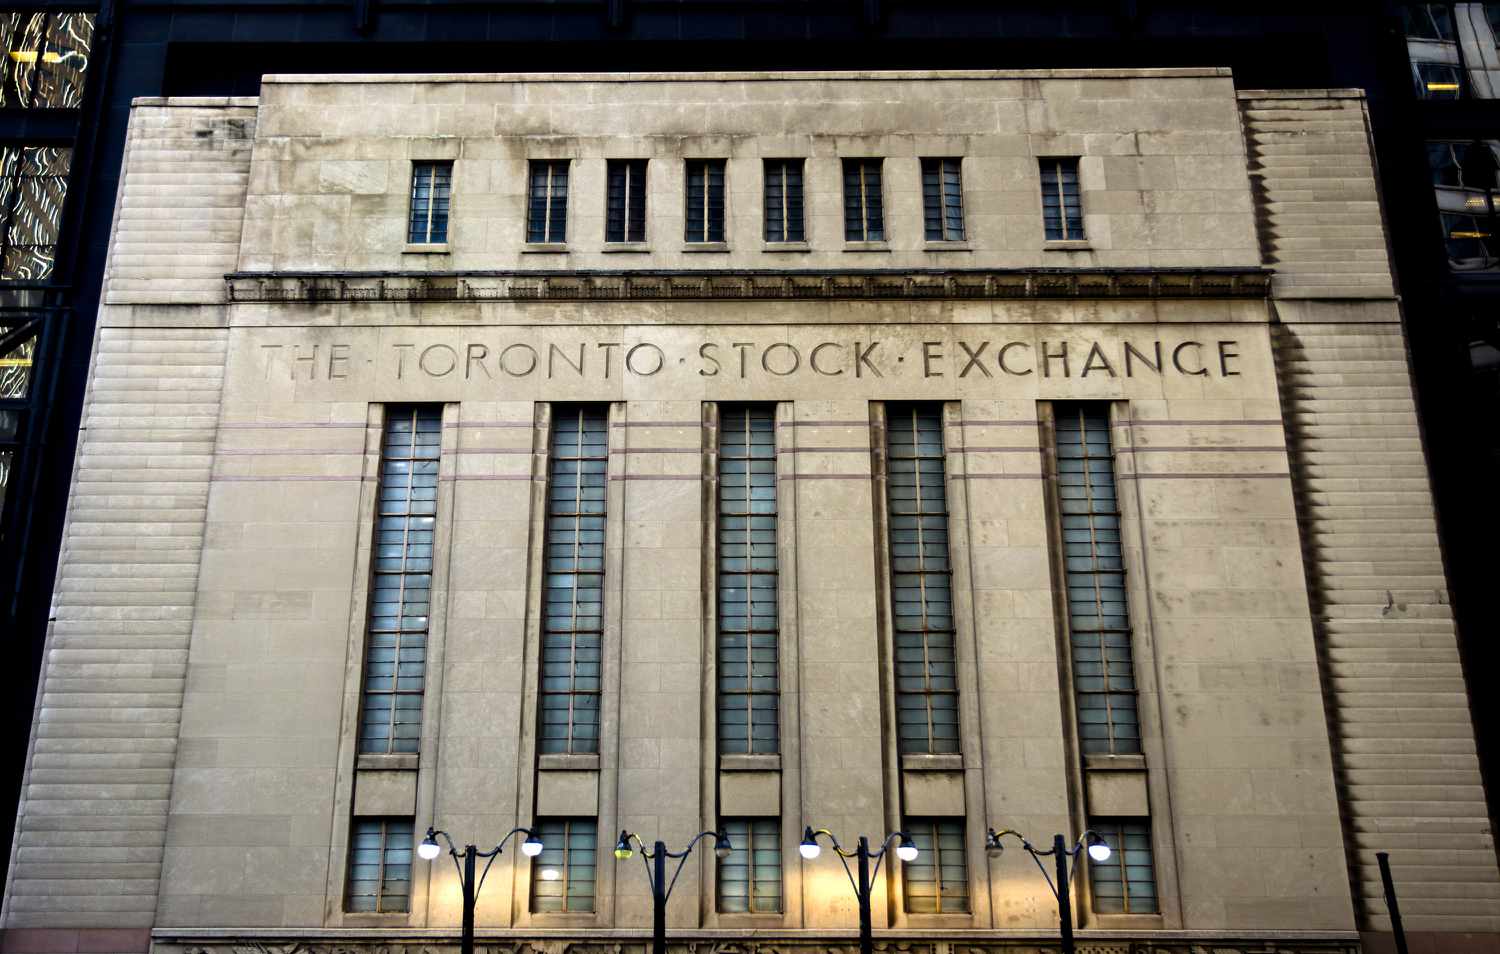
x=1062, y=208
x=47, y=57
x=750, y=878
x=937, y=882
x=431, y=192
x=547, y=201
x=749, y=620
x=379, y=866
x=625, y=212
x=943, y=200
x=784, y=201
x=401, y=581
x=33, y=185
x=864, y=214
x=563, y=875
x=705, y=200
x=573, y=595
x=921, y=585
x=1126, y=883
x=1093, y=559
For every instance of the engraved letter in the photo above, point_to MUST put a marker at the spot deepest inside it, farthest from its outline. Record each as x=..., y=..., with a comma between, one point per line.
x=812, y=359
x=608, y=355
x=438, y=369
x=338, y=360
x=1153, y=365
x=703, y=353
x=475, y=354
x=1177, y=357
x=271, y=355
x=929, y=355
x=1224, y=355
x=1007, y=368
x=973, y=361
x=765, y=359
x=401, y=352
x=862, y=360
x=505, y=365
x=1047, y=357
x=311, y=359
x=661, y=359
x=743, y=346
x=553, y=351
x=1088, y=363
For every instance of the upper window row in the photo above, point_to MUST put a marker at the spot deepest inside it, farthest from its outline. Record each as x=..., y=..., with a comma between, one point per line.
x=784, y=203
x=46, y=57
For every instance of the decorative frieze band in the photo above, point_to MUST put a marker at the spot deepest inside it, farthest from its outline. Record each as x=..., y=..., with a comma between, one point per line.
x=1115, y=943
x=314, y=287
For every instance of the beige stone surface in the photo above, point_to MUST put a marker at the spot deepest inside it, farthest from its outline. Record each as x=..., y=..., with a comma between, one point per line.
x=221, y=519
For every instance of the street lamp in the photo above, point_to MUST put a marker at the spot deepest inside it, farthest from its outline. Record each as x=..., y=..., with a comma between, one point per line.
x=906, y=850
x=656, y=874
x=1098, y=851
x=429, y=849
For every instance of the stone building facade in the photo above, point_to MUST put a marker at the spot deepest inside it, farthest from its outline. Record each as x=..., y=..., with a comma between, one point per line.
x=871, y=452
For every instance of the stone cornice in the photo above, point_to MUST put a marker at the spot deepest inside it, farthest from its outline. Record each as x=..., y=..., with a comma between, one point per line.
x=296, y=287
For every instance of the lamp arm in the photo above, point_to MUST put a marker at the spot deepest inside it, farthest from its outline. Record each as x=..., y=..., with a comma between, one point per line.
x=683, y=856
x=843, y=855
x=452, y=849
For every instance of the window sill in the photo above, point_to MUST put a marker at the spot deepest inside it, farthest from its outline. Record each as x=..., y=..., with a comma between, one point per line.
x=546, y=919
x=544, y=248
x=962, y=245
x=1094, y=761
x=705, y=246
x=957, y=920
x=617, y=247
x=761, y=920
x=366, y=919
x=426, y=248
x=750, y=763
x=396, y=762
x=947, y=762
x=1126, y=922
x=561, y=762
x=1068, y=245
x=867, y=246
x=785, y=247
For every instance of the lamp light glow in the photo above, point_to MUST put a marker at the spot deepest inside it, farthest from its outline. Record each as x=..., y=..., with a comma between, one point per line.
x=532, y=846
x=906, y=850
x=722, y=846
x=1099, y=851
x=428, y=849
x=809, y=848
x=549, y=874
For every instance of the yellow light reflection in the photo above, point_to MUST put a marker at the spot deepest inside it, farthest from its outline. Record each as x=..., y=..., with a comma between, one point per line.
x=1442, y=87
x=29, y=56
x=1469, y=235
x=15, y=362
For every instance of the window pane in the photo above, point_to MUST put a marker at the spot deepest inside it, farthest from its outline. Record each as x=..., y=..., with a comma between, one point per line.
x=1466, y=180
x=1062, y=208
x=46, y=57
x=625, y=202
x=864, y=214
x=1125, y=883
x=937, y=880
x=942, y=200
x=784, y=200
x=431, y=194
x=380, y=857
x=564, y=874
x=705, y=200
x=750, y=878
x=400, y=591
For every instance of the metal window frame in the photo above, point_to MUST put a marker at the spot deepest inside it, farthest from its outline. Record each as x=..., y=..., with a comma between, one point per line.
x=705, y=168
x=941, y=167
x=554, y=223
x=749, y=692
x=43, y=48
x=933, y=828
x=571, y=825
x=430, y=167
x=1108, y=828
x=928, y=693
x=385, y=823
x=861, y=167
x=1057, y=171
x=572, y=745
x=750, y=834
x=11, y=208
x=633, y=197
x=779, y=170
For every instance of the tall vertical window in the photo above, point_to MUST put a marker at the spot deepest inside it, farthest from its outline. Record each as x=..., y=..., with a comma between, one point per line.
x=431, y=193
x=1098, y=617
x=33, y=184
x=750, y=878
x=705, y=200
x=396, y=651
x=864, y=214
x=748, y=617
x=573, y=621
x=625, y=212
x=563, y=875
x=46, y=56
x=943, y=200
x=1062, y=207
x=1466, y=179
x=1126, y=883
x=379, y=866
x=547, y=201
x=921, y=587
x=937, y=882
x=783, y=180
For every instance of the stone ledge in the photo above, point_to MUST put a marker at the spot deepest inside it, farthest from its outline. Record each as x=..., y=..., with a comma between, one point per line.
x=1164, y=283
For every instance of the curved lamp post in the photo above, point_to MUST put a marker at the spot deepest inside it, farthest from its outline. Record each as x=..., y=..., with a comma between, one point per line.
x=655, y=860
x=906, y=850
x=430, y=849
x=1097, y=849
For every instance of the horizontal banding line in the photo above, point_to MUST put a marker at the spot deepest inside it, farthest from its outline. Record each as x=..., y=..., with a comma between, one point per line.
x=1203, y=476
x=829, y=450
x=826, y=423
x=1026, y=476
x=655, y=477
x=1018, y=449
x=655, y=423
x=1217, y=449
x=262, y=477
x=824, y=476
x=998, y=423
x=525, y=424
x=661, y=450
x=489, y=477
x=1156, y=422
x=273, y=425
